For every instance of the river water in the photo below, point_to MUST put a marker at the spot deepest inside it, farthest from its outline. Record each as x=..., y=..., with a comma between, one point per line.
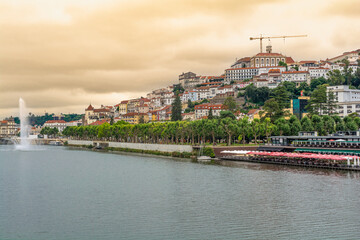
x=63, y=193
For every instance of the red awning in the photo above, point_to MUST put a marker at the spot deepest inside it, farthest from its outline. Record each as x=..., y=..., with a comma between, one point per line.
x=303, y=155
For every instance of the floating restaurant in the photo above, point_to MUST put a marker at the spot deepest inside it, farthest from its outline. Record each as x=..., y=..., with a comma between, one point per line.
x=342, y=142
x=337, y=151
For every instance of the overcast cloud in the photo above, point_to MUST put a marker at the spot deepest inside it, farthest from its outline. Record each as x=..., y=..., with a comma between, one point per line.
x=61, y=56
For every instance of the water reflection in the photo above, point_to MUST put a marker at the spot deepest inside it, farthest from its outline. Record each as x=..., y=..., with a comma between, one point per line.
x=292, y=169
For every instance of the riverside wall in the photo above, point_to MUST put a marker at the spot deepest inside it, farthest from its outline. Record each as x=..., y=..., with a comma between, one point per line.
x=142, y=146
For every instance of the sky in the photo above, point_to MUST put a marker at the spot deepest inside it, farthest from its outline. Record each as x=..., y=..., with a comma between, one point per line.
x=59, y=56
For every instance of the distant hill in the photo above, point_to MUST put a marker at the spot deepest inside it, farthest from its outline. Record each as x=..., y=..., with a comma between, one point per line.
x=40, y=120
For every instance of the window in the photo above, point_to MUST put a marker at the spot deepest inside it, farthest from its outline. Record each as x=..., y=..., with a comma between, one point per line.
x=262, y=61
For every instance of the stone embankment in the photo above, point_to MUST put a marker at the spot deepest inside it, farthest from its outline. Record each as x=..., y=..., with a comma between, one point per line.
x=139, y=146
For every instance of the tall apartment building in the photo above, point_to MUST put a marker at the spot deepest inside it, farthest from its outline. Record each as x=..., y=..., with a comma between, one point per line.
x=239, y=74
x=347, y=100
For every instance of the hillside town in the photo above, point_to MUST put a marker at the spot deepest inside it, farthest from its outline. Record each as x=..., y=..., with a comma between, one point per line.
x=201, y=94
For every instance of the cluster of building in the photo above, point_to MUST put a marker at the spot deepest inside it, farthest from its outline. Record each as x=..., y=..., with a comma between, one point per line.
x=262, y=70
x=8, y=127
x=267, y=69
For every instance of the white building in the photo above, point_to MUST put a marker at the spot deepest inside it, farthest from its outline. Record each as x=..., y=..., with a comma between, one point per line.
x=213, y=91
x=169, y=100
x=225, y=89
x=296, y=76
x=242, y=63
x=74, y=123
x=184, y=97
x=317, y=72
x=156, y=102
x=347, y=100
x=265, y=70
x=59, y=124
x=202, y=110
x=203, y=92
x=241, y=84
x=268, y=59
x=236, y=74
x=8, y=128
x=352, y=56
x=260, y=82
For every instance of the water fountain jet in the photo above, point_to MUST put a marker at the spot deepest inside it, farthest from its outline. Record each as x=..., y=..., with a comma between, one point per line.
x=24, y=127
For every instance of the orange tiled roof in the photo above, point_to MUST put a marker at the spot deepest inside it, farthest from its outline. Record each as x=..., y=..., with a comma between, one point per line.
x=307, y=61
x=289, y=60
x=268, y=54
x=296, y=72
x=252, y=111
x=208, y=106
x=89, y=108
x=240, y=68
x=99, y=122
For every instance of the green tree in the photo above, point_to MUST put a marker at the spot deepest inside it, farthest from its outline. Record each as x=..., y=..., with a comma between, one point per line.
x=256, y=95
x=178, y=88
x=269, y=128
x=351, y=125
x=318, y=100
x=330, y=103
x=176, y=109
x=281, y=63
x=329, y=124
x=212, y=127
x=357, y=121
x=295, y=125
x=230, y=127
x=336, y=78
x=318, y=124
x=281, y=95
x=282, y=126
x=256, y=128
x=243, y=127
x=227, y=114
x=230, y=104
x=347, y=72
x=190, y=104
x=317, y=82
x=356, y=77
x=210, y=115
x=272, y=109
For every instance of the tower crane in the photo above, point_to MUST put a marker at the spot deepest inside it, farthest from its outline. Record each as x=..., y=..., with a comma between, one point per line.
x=261, y=38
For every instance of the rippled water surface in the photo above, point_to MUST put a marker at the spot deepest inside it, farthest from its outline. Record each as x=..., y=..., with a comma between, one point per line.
x=61, y=193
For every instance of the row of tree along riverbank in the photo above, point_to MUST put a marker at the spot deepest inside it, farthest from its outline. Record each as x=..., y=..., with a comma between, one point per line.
x=222, y=130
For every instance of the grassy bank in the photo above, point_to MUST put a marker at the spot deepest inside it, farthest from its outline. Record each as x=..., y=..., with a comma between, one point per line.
x=152, y=152
x=141, y=151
